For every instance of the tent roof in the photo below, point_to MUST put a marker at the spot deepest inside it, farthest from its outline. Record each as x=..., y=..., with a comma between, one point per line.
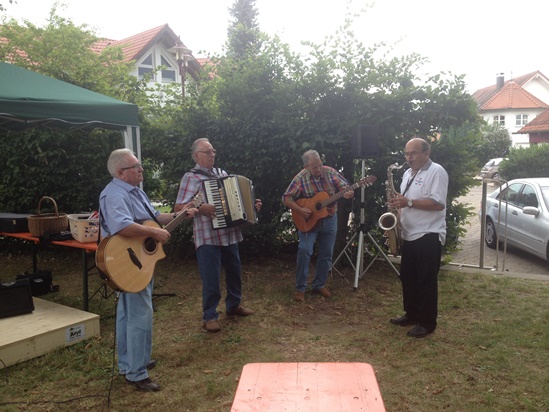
x=29, y=99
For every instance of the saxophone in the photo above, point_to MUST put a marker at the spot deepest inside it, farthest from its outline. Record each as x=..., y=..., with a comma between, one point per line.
x=389, y=221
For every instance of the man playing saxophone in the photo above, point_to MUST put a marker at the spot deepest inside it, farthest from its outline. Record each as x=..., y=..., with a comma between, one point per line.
x=422, y=214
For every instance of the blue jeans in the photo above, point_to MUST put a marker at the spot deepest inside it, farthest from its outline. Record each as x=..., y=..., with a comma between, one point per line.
x=134, y=319
x=210, y=260
x=324, y=234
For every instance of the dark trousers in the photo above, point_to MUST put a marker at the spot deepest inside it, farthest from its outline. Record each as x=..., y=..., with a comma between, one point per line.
x=420, y=264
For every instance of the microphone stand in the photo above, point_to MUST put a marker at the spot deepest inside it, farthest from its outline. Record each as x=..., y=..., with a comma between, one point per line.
x=359, y=271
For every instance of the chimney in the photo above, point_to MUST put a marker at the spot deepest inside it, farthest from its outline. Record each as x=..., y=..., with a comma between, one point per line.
x=500, y=79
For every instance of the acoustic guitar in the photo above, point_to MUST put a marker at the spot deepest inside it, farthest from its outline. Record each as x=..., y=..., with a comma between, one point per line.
x=317, y=204
x=127, y=263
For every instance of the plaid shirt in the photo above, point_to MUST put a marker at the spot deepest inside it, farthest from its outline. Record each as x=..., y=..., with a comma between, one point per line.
x=203, y=231
x=304, y=185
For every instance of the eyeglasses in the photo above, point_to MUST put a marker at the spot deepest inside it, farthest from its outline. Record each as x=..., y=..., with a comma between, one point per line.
x=135, y=167
x=208, y=152
x=412, y=154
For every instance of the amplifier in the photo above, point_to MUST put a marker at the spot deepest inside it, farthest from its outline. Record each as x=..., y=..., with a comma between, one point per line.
x=15, y=298
x=13, y=222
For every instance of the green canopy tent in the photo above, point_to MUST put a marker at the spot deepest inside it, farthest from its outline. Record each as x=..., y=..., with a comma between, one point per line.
x=29, y=99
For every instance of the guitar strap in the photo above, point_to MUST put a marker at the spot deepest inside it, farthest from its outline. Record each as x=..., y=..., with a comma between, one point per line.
x=151, y=213
x=100, y=219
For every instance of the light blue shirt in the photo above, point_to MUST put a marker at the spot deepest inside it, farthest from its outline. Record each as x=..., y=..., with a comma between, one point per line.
x=122, y=204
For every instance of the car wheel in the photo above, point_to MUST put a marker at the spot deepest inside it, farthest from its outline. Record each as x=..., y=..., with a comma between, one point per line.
x=495, y=176
x=490, y=235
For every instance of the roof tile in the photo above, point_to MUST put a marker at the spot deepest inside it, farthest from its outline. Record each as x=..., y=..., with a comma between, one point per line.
x=513, y=96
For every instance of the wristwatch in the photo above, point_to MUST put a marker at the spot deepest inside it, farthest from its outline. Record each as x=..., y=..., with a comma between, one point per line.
x=410, y=203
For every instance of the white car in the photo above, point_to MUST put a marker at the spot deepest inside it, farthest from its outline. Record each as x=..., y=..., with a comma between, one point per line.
x=519, y=211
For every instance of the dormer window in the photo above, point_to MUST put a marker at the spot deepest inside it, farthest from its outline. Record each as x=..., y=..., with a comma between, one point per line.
x=146, y=66
x=499, y=119
x=168, y=72
x=521, y=120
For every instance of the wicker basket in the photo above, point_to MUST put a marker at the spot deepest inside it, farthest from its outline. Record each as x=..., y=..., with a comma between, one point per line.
x=47, y=223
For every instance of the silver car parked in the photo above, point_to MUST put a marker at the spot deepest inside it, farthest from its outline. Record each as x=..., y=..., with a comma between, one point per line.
x=491, y=169
x=519, y=212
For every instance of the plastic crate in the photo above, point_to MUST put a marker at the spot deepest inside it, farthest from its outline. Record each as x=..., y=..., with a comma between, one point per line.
x=83, y=229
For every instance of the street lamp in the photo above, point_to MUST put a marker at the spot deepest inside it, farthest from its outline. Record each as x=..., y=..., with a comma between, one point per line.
x=182, y=56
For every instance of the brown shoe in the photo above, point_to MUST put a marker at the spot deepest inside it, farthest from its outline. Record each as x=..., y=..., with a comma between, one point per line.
x=146, y=385
x=240, y=311
x=322, y=291
x=212, y=326
x=299, y=296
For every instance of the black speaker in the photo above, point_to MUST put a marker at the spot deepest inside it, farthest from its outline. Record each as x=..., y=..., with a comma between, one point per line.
x=15, y=298
x=365, y=142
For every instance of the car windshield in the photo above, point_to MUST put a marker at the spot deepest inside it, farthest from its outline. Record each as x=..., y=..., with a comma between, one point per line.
x=493, y=162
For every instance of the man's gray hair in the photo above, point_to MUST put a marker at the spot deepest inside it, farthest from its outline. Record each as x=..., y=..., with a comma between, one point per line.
x=309, y=155
x=117, y=160
x=194, y=147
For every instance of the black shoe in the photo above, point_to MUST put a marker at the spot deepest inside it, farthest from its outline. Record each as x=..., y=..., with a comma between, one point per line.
x=403, y=321
x=419, y=332
x=146, y=385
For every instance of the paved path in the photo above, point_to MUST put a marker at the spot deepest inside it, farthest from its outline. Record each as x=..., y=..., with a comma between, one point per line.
x=514, y=263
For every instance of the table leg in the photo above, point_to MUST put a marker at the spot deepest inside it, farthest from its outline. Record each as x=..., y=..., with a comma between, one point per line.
x=35, y=257
x=85, y=279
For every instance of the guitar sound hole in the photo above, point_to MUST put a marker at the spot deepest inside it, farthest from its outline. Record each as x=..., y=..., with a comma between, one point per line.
x=318, y=206
x=150, y=245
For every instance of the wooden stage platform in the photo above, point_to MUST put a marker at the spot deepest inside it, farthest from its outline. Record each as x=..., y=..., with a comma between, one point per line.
x=48, y=327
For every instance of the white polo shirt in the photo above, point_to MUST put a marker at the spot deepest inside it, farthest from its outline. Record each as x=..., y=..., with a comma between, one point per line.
x=430, y=182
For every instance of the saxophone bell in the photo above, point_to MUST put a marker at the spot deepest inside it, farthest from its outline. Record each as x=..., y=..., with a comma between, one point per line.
x=387, y=221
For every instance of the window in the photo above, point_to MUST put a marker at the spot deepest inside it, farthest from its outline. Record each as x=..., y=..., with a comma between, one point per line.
x=146, y=66
x=168, y=72
x=499, y=120
x=522, y=119
x=510, y=194
x=528, y=197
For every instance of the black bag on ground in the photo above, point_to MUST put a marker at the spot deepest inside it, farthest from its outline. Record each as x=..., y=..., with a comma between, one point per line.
x=41, y=282
x=15, y=298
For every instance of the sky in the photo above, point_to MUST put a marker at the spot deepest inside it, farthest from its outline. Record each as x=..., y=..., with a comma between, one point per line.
x=476, y=38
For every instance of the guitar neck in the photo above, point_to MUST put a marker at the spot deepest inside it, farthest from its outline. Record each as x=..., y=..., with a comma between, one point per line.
x=177, y=220
x=335, y=197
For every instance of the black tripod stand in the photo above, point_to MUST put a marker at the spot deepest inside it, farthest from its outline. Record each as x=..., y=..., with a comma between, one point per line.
x=361, y=233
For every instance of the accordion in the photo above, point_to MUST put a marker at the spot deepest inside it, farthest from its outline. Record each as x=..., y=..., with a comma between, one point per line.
x=234, y=201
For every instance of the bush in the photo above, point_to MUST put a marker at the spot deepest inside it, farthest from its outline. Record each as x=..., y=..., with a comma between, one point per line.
x=526, y=162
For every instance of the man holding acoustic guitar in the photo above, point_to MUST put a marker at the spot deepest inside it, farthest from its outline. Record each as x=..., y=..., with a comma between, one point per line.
x=311, y=196
x=124, y=206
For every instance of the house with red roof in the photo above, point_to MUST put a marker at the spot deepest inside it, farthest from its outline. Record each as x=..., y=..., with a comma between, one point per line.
x=520, y=104
x=159, y=46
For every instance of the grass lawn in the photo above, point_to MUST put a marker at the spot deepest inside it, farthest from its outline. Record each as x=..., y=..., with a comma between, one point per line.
x=490, y=351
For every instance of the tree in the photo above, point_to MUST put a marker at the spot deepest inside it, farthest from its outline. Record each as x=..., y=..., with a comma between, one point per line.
x=262, y=111
x=68, y=166
x=243, y=35
x=496, y=142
